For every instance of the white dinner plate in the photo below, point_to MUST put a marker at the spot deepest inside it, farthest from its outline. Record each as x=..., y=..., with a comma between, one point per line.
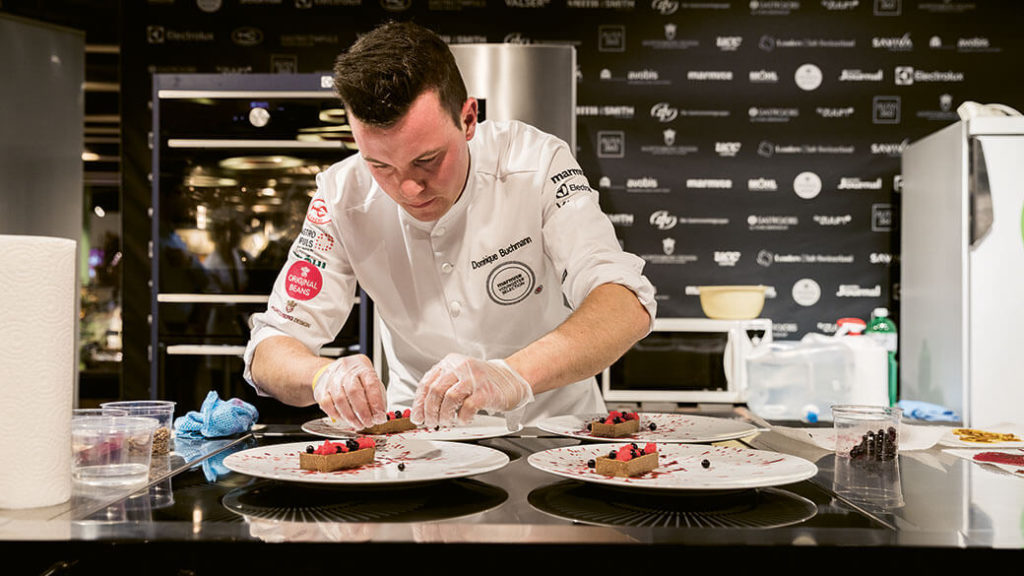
x=480, y=428
x=668, y=428
x=424, y=461
x=679, y=467
x=950, y=439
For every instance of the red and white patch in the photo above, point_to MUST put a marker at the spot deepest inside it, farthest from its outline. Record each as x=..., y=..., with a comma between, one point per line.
x=324, y=242
x=318, y=213
x=303, y=281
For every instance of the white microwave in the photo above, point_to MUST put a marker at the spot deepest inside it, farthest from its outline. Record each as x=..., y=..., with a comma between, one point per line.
x=687, y=360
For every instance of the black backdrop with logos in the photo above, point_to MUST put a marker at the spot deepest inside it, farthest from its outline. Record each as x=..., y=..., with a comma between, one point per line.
x=733, y=142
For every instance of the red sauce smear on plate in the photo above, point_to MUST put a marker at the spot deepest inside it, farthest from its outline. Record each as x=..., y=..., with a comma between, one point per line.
x=1000, y=458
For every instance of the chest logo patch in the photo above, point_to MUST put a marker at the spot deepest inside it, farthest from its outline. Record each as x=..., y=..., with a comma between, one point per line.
x=510, y=283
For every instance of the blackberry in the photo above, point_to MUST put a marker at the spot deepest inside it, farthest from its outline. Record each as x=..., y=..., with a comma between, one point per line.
x=337, y=449
x=352, y=445
x=705, y=463
x=589, y=426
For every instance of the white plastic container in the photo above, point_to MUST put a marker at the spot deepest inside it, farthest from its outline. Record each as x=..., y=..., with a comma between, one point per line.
x=803, y=380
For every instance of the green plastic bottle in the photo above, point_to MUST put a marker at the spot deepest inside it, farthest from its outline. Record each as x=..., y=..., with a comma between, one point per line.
x=882, y=329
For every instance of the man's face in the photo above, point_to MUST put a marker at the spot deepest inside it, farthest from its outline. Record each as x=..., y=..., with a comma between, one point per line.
x=422, y=161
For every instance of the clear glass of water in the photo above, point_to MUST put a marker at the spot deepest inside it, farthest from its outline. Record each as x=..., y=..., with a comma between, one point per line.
x=111, y=449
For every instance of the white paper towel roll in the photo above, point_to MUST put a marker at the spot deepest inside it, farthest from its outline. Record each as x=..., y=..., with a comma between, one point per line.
x=37, y=369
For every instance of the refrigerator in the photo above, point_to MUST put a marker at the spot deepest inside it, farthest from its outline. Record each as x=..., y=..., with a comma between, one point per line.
x=962, y=270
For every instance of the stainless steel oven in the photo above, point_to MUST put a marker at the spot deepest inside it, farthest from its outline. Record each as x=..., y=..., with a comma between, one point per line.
x=235, y=159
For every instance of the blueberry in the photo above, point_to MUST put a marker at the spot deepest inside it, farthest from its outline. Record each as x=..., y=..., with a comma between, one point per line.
x=617, y=420
x=398, y=414
x=612, y=454
x=401, y=466
x=309, y=449
x=589, y=426
x=337, y=449
x=652, y=426
x=591, y=463
x=351, y=444
x=436, y=428
x=705, y=463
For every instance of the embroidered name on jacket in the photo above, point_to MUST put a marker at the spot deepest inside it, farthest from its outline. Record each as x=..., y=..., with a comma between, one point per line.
x=501, y=253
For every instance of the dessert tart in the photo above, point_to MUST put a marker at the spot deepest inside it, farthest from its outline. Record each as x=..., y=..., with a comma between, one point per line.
x=615, y=425
x=398, y=421
x=331, y=456
x=627, y=461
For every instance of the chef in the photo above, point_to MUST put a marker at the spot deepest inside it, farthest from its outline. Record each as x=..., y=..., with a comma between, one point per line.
x=499, y=282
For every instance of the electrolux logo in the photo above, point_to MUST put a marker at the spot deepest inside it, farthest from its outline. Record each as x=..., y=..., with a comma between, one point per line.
x=908, y=75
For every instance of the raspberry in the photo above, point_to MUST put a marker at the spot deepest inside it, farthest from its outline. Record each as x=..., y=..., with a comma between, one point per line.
x=650, y=448
x=406, y=413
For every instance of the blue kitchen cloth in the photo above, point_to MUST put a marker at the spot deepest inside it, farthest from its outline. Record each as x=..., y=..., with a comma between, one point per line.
x=925, y=411
x=216, y=418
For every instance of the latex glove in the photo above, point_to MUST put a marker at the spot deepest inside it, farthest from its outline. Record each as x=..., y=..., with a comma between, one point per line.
x=458, y=386
x=350, y=392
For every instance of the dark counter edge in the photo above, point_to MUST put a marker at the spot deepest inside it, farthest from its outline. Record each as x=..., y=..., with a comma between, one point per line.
x=187, y=558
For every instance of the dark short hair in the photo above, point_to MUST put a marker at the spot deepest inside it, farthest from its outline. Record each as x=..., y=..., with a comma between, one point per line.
x=385, y=70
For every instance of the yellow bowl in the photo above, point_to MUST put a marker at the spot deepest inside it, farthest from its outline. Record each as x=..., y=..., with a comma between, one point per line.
x=732, y=302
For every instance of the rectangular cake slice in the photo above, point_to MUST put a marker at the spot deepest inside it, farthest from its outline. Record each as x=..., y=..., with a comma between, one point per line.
x=627, y=461
x=615, y=425
x=331, y=456
x=397, y=422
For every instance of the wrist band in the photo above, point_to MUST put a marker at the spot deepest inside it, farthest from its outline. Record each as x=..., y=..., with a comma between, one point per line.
x=318, y=373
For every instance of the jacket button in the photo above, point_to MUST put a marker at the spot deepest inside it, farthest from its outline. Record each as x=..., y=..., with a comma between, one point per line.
x=447, y=267
x=455, y=308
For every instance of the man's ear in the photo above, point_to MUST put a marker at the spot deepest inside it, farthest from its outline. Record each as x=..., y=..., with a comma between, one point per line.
x=470, y=110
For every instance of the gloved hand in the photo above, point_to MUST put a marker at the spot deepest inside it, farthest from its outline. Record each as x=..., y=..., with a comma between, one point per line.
x=351, y=393
x=458, y=386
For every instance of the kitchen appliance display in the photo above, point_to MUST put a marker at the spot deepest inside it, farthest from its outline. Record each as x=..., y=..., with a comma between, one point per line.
x=962, y=270
x=235, y=161
x=687, y=360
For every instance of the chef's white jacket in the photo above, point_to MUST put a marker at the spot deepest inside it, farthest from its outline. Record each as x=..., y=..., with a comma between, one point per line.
x=520, y=249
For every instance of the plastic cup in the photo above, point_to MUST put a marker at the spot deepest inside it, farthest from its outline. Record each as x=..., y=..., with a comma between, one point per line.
x=867, y=433
x=161, y=410
x=111, y=451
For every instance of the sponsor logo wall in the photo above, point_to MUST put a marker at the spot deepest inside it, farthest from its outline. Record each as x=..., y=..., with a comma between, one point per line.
x=732, y=142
